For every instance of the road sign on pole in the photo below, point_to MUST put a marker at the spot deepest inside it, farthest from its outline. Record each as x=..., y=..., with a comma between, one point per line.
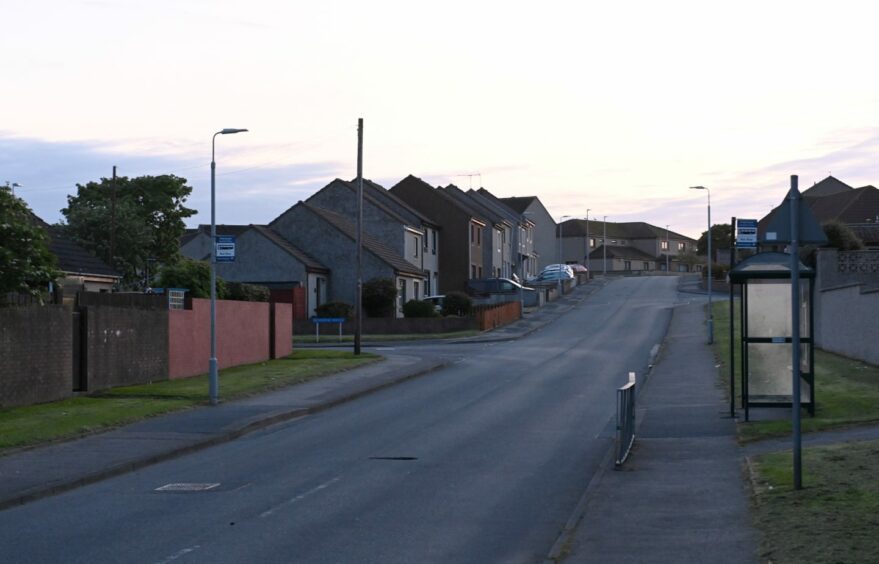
x=225, y=248
x=746, y=233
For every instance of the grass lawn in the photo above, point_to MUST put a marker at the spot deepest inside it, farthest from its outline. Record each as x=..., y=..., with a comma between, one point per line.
x=834, y=518
x=846, y=390
x=330, y=338
x=25, y=426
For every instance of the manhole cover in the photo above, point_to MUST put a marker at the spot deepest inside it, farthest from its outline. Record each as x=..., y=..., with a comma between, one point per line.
x=186, y=487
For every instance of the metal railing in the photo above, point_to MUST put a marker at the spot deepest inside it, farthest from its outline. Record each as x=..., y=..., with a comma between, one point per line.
x=625, y=420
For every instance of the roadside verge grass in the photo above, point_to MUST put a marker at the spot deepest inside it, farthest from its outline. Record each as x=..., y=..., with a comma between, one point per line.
x=834, y=518
x=846, y=390
x=74, y=417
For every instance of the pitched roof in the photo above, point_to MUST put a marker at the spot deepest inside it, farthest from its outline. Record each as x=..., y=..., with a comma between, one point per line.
x=288, y=247
x=478, y=208
x=424, y=186
x=380, y=192
x=627, y=230
x=826, y=187
x=519, y=203
x=370, y=243
x=624, y=252
x=223, y=229
x=853, y=206
x=73, y=259
x=501, y=206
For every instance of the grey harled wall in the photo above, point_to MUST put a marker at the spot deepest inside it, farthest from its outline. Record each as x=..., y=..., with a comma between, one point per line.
x=258, y=260
x=36, y=359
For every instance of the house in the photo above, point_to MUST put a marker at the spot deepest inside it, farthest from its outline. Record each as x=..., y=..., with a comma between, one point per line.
x=265, y=258
x=460, y=234
x=545, y=245
x=627, y=246
x=332, y=237
x=834, y=200
x=497, y=235
x=82, y=271
x=524, y=259
x=399, y=226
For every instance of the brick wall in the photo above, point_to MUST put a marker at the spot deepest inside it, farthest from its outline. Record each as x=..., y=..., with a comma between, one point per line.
x=36, y=356
x=125, y=346
x=242, y=336
x=282, y=330
x=390, y=326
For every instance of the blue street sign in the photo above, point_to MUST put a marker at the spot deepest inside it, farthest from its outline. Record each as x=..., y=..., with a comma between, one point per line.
x=746, y=233
x=225, y=248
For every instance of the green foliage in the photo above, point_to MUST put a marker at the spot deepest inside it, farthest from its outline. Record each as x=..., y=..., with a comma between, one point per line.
x=246, y=292
x=142, y=216
x=194, y=275
x=718, y=271
x=379, y=297
x=457, y=303
x=26, y=265
x=841, y=236
x=720, y=239
x=418, y=308
x=334, y=309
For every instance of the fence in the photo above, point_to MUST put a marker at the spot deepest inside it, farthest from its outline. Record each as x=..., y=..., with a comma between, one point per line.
x=625, y=420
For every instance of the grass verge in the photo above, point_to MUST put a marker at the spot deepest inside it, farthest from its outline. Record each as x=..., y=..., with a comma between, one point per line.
x=30, y=425
x=834, y=517
x=846, y=390
x=330, y=339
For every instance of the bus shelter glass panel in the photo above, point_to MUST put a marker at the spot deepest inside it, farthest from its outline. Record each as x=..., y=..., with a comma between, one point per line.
x=769, y=374
x=769, y=305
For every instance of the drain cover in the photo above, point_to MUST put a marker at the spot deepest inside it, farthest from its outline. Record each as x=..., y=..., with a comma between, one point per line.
x=186, y=487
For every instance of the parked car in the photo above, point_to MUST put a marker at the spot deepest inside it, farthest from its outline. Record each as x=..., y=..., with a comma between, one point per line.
x=578, y=268
x=486, y=286
x=551, y=276
x=437, y=301
x=558, y=267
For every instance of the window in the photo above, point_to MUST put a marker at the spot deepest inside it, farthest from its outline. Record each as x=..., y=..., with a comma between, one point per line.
x=663, y=245
x=627, y=265
x=433, y=238
x=646, y=266
x=478, y=236
x=682, y=246
x=417, y=244
x=415, y=290
x=425, y=238
x=472, y=234
x=479, y=271
x=472, y=271
x=591, y=242
x=402, y=291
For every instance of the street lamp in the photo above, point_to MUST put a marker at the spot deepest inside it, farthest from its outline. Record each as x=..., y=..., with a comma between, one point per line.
x=13, y=186
x=561, y=227
x=588, y=263
x=710, y=312
x=213, y=381
x=604, y=247
x=667, y=249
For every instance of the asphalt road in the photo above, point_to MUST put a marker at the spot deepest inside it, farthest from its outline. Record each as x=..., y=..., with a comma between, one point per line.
x=483, y=461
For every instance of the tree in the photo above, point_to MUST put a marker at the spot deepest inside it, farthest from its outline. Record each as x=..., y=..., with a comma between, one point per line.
x=720, y=239
x=141, y=218
x=194, y=275
x=26, y=264
x=379, y=297
x=840, y=236
x=457, y=303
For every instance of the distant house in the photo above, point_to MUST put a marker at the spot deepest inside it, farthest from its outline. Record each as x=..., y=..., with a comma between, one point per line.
x=497, y=235
x=834, y=200
x=265, y=258
x=630, y=246
x=82, y=270
x=524, y=259
x=411, y=233
x=545, y=242
x=332, y=237
x=461, y=232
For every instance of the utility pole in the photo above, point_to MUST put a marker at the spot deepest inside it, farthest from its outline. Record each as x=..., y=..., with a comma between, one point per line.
x=588, y=247
x=358, y=299
x=604, y=246
x=667, y=250
x=112, y=216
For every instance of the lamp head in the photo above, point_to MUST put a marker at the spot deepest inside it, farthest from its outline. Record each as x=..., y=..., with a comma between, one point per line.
x=698, y=188
x=230, y=130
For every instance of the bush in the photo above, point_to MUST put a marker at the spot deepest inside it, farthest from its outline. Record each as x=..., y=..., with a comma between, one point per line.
x=379, y=297
x=418, y=308
x=842, y=237
x=246, y=292
x=718, y=271
x=457, y=303
x=334, y=309
x=194, y=275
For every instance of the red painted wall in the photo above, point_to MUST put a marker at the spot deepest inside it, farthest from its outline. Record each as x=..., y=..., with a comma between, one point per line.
x=300, y=308
x=242, y=336
x=283, y=330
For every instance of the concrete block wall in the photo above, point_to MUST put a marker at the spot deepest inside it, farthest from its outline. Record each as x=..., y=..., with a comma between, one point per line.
x=845, y=321
x=36, y=358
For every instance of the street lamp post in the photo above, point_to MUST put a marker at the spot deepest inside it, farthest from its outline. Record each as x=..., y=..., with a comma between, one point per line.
x=213, y=380
x=588, y=264
x=561, y=232
x=604, y=247
x=667, y=249
x=13, y=186
x=710, y=312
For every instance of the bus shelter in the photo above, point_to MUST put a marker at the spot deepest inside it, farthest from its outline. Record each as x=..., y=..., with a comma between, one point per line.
x=766, y=334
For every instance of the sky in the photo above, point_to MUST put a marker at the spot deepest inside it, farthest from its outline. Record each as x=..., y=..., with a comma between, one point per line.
x=615, y=108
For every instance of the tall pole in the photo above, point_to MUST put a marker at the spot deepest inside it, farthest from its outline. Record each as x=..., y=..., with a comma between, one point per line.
x=795, y=326
x=710, y=275
x=732, y=336
x=667, y=250
x=604, y=246
x=358, y=298
x=112, y=217
x=213, y=379
x=588, y=248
